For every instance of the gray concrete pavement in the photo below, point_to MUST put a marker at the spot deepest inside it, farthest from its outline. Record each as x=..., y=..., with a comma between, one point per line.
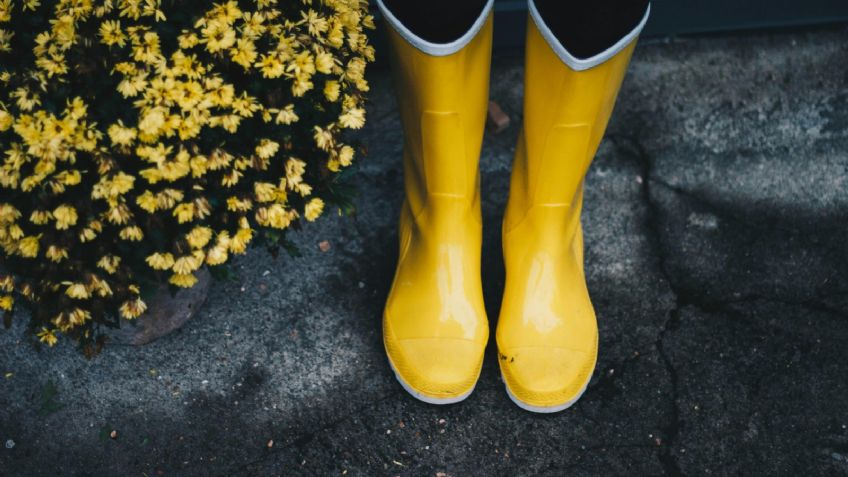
x=716, y=221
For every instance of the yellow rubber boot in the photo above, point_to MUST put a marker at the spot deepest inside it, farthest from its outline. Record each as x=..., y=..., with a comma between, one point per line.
x=547, y=336
x=434, y=324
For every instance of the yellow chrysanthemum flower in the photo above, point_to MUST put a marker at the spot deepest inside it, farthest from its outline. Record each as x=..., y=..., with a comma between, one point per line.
x=287, y=115
x=240, y=240
x=65, y=216
x=324, y=62
x=188, y=263
x=109, y=263
x=120, y=135
x=40, y=217
x=323, y=138
x=132, y=309
x=56, y=254
x=6, y=120
x=160, y=261
x=217, y=255
x=47, y=336
x=313, y=209
x=267, y=148
x=244, y=53
x=183, y=280
x=234, y=204
x=271, y=66
x=218, y=36
x=353, y=118
x=147, y=201
x=346, y=155
x=6, y=302
x=77, y=291
x=132, y=233
x=184, y=212
x=188, y=40
x=199, y=237
x=332, y=90
x=111, y=33
x=5, y=10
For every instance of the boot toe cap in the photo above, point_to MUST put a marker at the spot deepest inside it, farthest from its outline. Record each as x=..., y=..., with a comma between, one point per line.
x=546, y=379
x=436, y=370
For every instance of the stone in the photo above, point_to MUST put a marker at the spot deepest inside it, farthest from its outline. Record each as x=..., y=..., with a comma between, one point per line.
x=166, y=313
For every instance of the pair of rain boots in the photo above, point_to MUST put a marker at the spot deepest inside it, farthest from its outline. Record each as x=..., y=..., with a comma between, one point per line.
x=435, y=328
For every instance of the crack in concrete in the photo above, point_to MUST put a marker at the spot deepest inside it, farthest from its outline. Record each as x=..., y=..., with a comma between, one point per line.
x=672, y=428
x=720, y=211
x=683, y=297
x=710, y=306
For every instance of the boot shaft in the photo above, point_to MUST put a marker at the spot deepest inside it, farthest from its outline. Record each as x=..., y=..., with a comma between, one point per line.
x=565, y=115
x=442, y=99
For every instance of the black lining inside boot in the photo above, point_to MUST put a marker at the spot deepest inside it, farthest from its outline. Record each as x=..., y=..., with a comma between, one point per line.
x=586, y=28
x=437, y=21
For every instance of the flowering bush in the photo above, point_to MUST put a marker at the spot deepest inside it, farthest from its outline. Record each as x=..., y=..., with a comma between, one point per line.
x=141, y=140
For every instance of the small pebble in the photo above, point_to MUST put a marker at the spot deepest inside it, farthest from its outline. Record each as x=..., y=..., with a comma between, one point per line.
x=270, y=443
x=324, y=245
x=10, y=444
x=498, y=119
x=113, y=434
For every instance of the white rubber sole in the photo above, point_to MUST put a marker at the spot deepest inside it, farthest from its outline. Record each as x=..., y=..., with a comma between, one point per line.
x=545, y=409
x=429, y=399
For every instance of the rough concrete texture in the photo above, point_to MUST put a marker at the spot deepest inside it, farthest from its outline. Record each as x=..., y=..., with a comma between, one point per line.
x=716, y=222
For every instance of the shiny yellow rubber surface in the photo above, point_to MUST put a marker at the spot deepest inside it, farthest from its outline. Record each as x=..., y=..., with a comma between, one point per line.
x=434, y=325
x=547, y=335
